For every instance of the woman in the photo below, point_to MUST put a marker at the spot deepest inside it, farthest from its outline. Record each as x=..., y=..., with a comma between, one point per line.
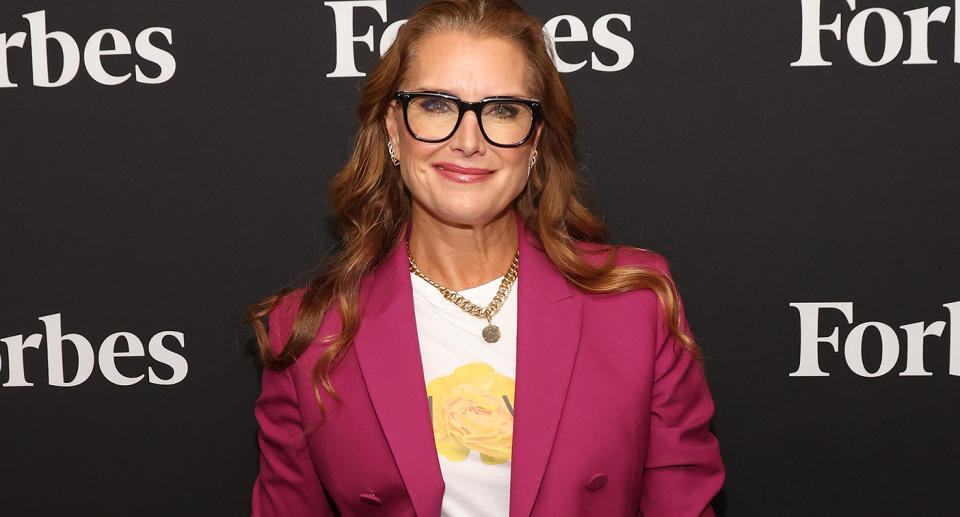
x=392, y=386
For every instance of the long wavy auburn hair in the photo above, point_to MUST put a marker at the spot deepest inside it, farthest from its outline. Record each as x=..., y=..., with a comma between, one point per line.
x=371, y=206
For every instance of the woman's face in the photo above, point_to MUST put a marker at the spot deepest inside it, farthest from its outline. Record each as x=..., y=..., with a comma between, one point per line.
x=466, y=180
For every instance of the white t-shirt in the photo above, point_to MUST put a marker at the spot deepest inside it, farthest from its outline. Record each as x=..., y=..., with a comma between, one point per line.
x=470, y=388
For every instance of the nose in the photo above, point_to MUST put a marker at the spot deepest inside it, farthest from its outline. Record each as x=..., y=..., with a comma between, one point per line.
x=468, y=139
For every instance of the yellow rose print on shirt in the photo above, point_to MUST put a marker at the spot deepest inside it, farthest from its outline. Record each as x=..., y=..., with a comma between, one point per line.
x=473, y=411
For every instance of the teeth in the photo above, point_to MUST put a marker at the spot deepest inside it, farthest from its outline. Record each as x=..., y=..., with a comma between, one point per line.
x=441, y=167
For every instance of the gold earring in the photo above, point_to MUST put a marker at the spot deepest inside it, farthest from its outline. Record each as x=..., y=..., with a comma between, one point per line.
x=393, y=154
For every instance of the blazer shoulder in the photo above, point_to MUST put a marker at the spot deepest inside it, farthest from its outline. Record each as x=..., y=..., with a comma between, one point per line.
x=281, y=318
x=625, y=256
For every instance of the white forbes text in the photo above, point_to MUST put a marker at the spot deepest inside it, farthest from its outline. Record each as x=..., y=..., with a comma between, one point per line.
x=891, y=345
x=921, y=21
x=105, y=42
x=564, y=28
x=163, y=347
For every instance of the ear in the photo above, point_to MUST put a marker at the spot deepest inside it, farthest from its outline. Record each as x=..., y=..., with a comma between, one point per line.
x=392, y=121
x=536, y=135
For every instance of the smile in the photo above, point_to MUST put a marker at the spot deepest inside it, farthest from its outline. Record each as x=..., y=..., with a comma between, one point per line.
x=462, y=174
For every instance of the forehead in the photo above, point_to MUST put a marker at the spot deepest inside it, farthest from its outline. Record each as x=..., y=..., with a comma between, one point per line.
x=467, y=66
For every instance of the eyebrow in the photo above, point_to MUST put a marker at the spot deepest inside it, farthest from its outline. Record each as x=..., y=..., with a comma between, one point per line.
x=427, y=89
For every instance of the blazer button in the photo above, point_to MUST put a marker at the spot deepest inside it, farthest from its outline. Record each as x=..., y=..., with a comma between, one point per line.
x=596, y=481
x=370, y=498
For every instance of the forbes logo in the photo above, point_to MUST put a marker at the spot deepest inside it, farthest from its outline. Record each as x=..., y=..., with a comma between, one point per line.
x=890, y=343
x=106, y=42
x=921, y=21
x=116, y=345
x=562, y=29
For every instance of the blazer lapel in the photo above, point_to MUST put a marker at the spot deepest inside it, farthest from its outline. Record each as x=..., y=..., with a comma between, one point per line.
x=548, y=336
x=389, y=355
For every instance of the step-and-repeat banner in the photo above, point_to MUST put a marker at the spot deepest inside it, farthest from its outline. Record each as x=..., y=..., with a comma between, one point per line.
x=164, y=164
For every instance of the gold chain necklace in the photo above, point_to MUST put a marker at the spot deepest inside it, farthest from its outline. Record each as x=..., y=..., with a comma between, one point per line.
x=491, y=333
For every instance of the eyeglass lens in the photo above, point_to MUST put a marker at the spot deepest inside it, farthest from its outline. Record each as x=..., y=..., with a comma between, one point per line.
x=435, y=118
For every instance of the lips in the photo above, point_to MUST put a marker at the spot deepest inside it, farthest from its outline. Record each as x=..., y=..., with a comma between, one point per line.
x=460, y=174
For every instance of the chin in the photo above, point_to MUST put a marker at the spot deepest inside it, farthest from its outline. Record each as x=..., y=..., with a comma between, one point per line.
x=470, y=218
x=465, y=207
x=462, y=219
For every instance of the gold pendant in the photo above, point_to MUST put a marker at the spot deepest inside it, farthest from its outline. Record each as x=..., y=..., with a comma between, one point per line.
x=491, y=333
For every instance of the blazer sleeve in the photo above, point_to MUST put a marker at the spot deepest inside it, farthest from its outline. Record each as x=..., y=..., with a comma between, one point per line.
x=683, y=470
x=287, y=485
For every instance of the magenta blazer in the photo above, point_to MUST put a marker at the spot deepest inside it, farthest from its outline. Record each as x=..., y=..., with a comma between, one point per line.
x=611, y=417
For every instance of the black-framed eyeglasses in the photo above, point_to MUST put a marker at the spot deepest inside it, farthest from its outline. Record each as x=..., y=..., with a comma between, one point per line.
x=434, y=117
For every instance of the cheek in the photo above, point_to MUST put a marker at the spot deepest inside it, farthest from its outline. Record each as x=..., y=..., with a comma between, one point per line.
x=415, y=159
x=513, y=167
x=416, y=155
x=517, y=162
x=414, y=149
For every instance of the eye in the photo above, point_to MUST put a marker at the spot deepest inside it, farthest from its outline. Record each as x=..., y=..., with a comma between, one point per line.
x=502, y=110
x=435, y=105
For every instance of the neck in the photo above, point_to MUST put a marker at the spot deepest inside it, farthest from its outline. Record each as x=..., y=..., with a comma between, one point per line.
x=459, y=257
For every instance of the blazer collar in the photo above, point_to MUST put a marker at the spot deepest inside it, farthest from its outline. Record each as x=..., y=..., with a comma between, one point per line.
x=388, y=351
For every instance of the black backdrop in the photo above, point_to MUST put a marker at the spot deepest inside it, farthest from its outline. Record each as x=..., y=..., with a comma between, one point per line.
x=144, y=208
